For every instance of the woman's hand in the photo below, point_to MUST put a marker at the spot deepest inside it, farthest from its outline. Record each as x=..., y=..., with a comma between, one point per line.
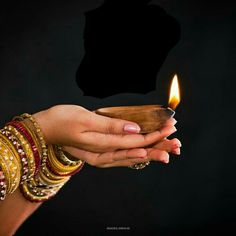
x=103, y=141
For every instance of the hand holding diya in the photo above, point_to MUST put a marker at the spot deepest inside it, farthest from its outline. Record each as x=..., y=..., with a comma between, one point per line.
x=149, y=117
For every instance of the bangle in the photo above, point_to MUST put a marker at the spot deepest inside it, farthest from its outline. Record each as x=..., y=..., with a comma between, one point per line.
x=56, y=167
x=34, y=192
x=51, y=182
x=3, y=185
x=10, y=164
x=47, y=172
x=64, y=157
x=20, y=127
x=25, y=151
x=31, y=122
x=41, y=188
x=9, y=131
x=4, y=178
x=40, y=170
x=44, y=184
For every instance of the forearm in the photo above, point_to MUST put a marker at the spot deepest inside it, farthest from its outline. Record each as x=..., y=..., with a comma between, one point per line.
x=14, y=210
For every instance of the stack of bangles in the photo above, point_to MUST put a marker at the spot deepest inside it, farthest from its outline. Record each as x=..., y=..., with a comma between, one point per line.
x=28, y=162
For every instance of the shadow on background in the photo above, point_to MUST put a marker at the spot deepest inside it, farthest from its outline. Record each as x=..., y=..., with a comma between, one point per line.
x=126, y=42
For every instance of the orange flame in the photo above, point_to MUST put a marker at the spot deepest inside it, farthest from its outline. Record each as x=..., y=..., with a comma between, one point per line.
x=174, y=98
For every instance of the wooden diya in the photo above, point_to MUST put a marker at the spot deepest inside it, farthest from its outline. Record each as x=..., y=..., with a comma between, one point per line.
x=149, y=117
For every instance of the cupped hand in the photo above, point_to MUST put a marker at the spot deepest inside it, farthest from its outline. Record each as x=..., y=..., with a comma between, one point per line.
x=103, y=141
x=128, y=157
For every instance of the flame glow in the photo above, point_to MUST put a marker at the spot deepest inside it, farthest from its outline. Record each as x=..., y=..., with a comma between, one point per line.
x=174, y=98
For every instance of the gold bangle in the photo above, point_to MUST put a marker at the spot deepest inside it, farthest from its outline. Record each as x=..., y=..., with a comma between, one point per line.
x=26, y=148
x=5, y=172
x=55, y=169
x=49, y=174
x=16, y=143
x=57, y=165
x=47, y=181
x=12, y=163
x=35, y=193
x=35, y=190
x=3, y=185
x=66, y=159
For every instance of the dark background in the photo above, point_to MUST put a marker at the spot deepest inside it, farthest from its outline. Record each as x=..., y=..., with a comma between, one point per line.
x=41, y=46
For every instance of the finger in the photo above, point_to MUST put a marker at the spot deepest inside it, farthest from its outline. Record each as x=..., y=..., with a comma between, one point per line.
x=99, y=159
x=171, y=121
x=153, y=154
x=97, y=142
x=107, y=125
x=176, y=151
x=127, y=154
x=168, y=145
x=79, y=153
x=158, y=155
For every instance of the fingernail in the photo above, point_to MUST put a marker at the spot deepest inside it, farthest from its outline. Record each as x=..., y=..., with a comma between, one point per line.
x=132, y=128
x=175, y=121
x=178, y=151
x=166, y=159
x=180, y=144
x=174, y=129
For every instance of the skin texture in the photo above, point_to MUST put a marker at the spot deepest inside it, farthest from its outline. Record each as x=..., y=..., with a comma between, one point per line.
x=100, y=141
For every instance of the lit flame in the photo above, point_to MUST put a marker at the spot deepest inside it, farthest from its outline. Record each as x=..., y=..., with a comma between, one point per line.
x=174, y=98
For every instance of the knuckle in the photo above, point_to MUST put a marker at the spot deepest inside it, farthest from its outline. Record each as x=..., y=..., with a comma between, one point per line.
x=88, y=121
x=110, y=127
x=111, y=157
x=76, y=139
x=127, y=154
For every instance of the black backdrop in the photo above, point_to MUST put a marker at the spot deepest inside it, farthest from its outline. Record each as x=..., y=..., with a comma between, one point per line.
x=41, y=46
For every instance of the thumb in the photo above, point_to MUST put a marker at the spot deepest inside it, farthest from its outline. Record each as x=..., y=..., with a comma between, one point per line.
x=103, y=124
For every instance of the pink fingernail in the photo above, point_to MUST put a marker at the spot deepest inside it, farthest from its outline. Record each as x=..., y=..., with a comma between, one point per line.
x=132, y=128
x=178, y=144
x=166, y=160
x=174, y=129
x=177, y=151
x=175, y=121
